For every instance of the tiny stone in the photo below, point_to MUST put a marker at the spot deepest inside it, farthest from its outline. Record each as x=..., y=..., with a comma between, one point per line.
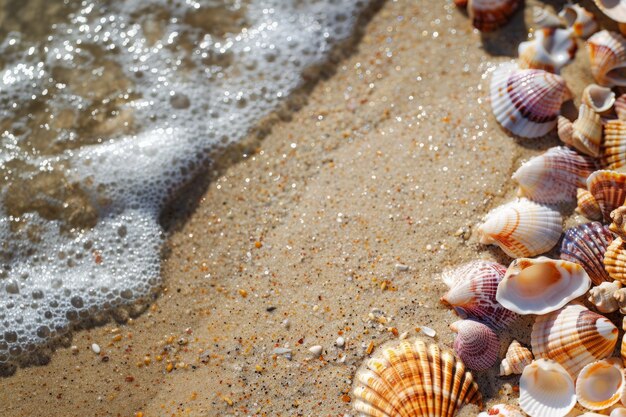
x=404, y=335
x=96, y=348
x=316, y=307
x=428, y=331
x=74, y=350
x=286, y=324
x=270, y=309
x=402, y=267
x=340, y=341
x=281, y=351
x=316, y=350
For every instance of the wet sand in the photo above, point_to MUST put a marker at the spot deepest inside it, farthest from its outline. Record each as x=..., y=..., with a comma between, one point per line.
x=337, y=224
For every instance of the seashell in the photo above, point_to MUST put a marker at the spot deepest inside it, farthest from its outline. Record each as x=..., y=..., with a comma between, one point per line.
x=475, y=344
x=517, y=358
x=587, y=206
x=554, y=176
x=413, y=379
x=599, y=385
x=623, y=344
x=546, y=390
x=614, y=146
x=599, y=99
x=541, y=285
x=526, y=102
x=460, y=3
x=472, y=293
x=615, y=9
x=502, y=410
x=587, y=132
x=602, y=296
x=573, y=336
x=522, y=228
x=585, y=245
x=488, y=15
x=620, y=298
x=618, y=412
x=607, y=53
x=564, y=129
x=618, y=222
x=579, y=20
x=620, y=107
x=543, y=18
x=550, y=50
x=609, y=190
x=615, y=260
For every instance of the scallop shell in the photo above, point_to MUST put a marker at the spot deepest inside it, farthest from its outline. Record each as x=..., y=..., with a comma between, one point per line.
x=546, y=390
x=585, y=245
x=620, y=107
x=587, y=206
x=502, y=410
x=573, y=336
x=413, y=379
x=472, y=293
x=476, y=344
x=607, y=53
x=526, y=102
x=614, y=146
x=550, y=50
x=543, y=18
x=522, y=228
x=488, y=15
x=615, y=9
x=554, y=176
x=599, y=99
x=579, y=20
x=541, y=285
x=603, y=296
x=609, y=190
x=599, y=385
x=615, y=260
x=517, y=358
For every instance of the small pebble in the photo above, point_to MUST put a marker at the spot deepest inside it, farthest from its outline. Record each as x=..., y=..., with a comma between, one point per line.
x=95, y=347
x=428, y=331
x=402, y=267
x=281, y=351
x=74, y=350
x=286, y=324
x=316, y=350
x=340, y=341
x=404, y=335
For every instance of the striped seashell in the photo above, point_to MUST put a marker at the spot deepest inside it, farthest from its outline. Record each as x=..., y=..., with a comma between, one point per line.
x=550, y=50
x=603, y=296
x=599, y=385
x=609, y=190
x=587, y=131
x=564, y=129
x=476, y=344
x=543, y=18
x=517, y=358
x=522, y=228
x=488, y=15
x=607, y=53
x=579, y=20
x=413, y=379
x=554, y=176
x=526, y=102
x=615, y=260
x=615, y=9
x=541, y=285
x=502, y=410
x=585, y=245
x=623, y=344
x=599, y=99
x=573, y=336
x=472, y=293
x=586, y=205
x=614, y=146
x=620, y=107
x=620, y=297
x=618, y=222
x=546, y=390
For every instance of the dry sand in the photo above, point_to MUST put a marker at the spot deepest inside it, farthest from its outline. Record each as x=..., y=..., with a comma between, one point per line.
x=393, y=159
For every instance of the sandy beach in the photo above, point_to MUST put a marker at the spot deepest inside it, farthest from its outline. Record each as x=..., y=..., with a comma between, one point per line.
x=332, y=231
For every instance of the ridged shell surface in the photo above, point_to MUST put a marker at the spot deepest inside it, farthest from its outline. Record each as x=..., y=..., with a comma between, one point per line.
x=599, y=385
x=516, y=359
x=603, y=296
x=573, y=336
x=618, y=222
x=599, y=99
x=607, y=53
x=472, y=293
x=620, y=107
x=587, y=132
x=476, y=344
x=550, y=50
x=502, y=410
x=546, y=390
x=615, y=9
x=554, y=176
x=586, y=245
x=587, y=205
x=526, y=102
x=522, y=228
x=412, y=380
x=623, y=344
x=609, y=190
x=579, y=20
x=488, y=15
x=614, y=144
x=615, y=260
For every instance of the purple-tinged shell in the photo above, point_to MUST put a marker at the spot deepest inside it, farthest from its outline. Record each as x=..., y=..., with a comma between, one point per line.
x=476, y=344
x=585, y=245
x=472, y=293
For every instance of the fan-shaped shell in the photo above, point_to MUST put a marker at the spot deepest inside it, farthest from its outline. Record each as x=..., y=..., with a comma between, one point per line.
x=413, y=379
x=541, y=285
x=476, y=344
x=615, y=9
x=472, y=293
x=609, y=190
x=585, y=245
x=599, y=385
x=607, y=53
x=554, y=176
x=587, y=132
x=550, y=50
x=587, y=205
x=614, y=146
x=546, y=390
x=526, y=102
x=573, y=336
x=522, y=228
x=599, y=99
x=516, y=359
x=615, y=260
x=488, y=15
x=603, y=296
x=502, y=410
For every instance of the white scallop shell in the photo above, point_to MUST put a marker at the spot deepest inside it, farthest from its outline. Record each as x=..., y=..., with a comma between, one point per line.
x=546, y=390
x=599, y=385
x=550, y=50
x=615, y=9
x=607, y=54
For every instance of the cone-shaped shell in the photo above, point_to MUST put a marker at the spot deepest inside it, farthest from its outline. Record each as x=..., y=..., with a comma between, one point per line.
x=603, y=296
x=526, y=102
x=614, y=146
x=607, y=53
x=488, y=15
x=541, y=285
x=472, y=293
x=599, y=385
x=615, y=9
x=554, y=176
x=587, y=132
x=516, y=359
x=546, y=390
x=585, y=245
x=573, y=336
x=550, y=50
x=579, y=20
x=522, y=228
x=587, y=205
x=599, y=99
x=615, y=260
x=502, y=410
x=476, y=344
x=609, y=190
x=413, y=379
